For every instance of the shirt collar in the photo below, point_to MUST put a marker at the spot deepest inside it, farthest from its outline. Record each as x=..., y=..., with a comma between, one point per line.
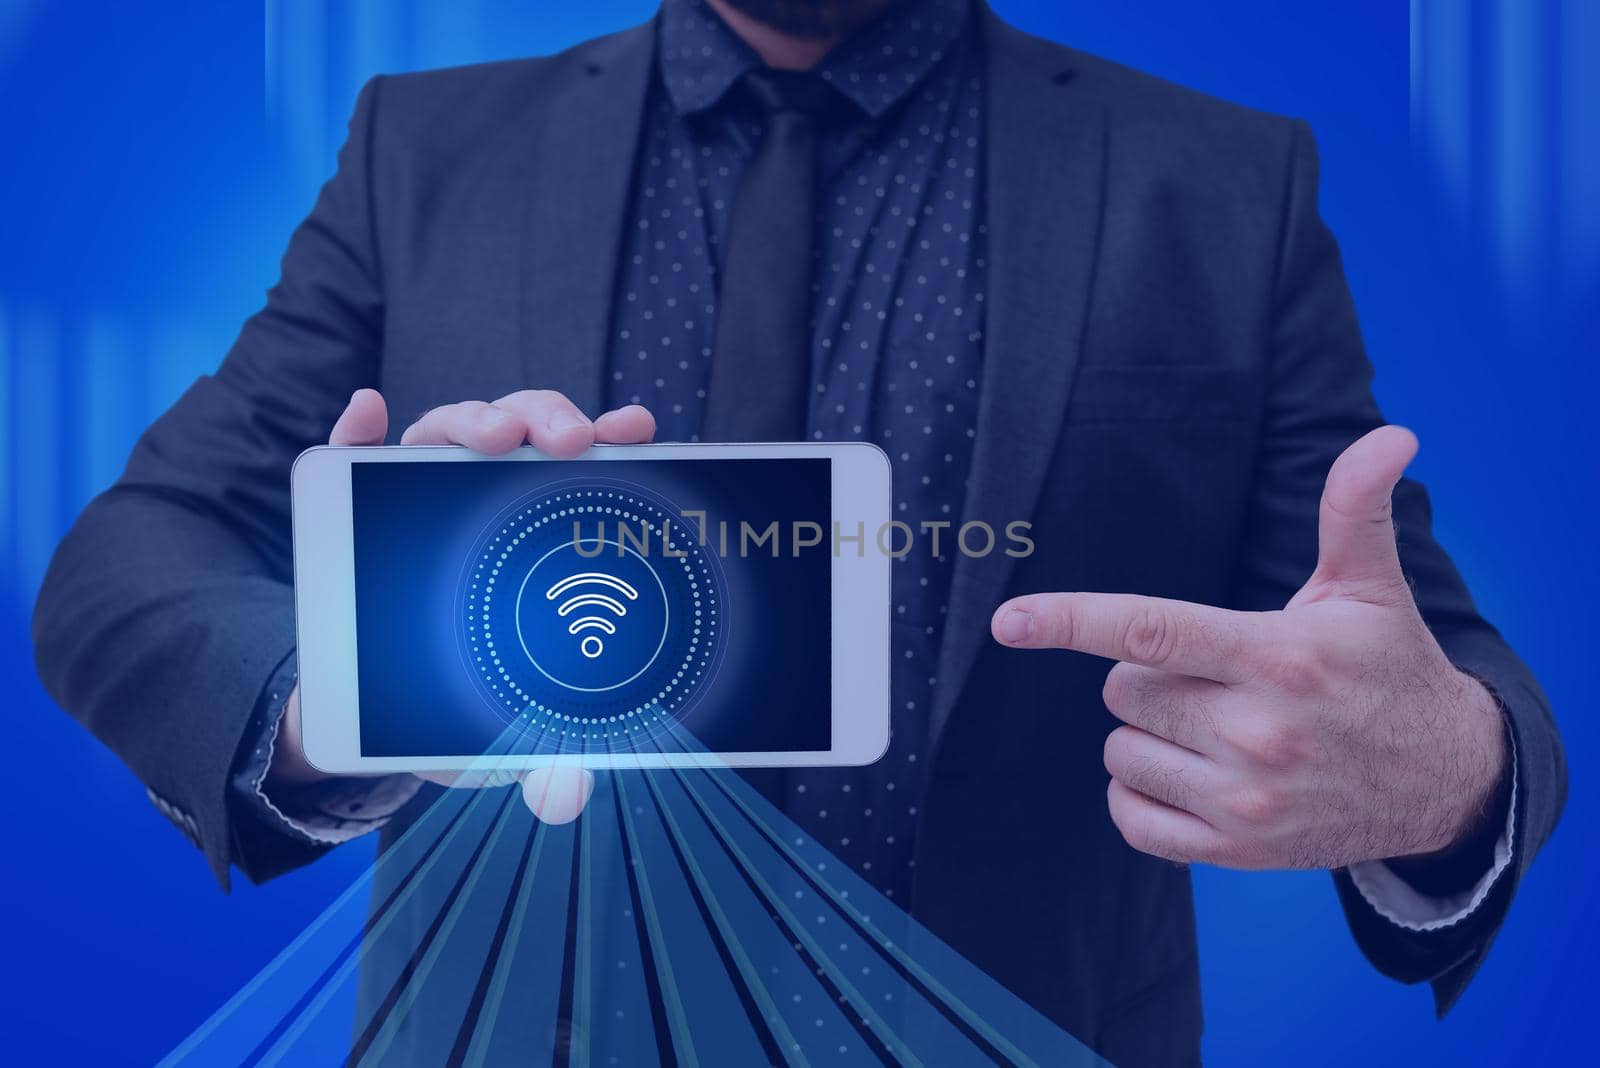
x=701, y=58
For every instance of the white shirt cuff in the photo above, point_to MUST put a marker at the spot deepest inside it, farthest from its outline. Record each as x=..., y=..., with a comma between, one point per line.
x=1400, y=903
x=335, y=811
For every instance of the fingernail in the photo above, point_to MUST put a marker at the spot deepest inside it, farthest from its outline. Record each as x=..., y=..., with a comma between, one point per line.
x=1015, y=626
x=566, y=420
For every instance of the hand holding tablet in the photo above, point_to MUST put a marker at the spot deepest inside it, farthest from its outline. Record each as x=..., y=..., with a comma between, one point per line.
x=548, y=420
x=625, y=606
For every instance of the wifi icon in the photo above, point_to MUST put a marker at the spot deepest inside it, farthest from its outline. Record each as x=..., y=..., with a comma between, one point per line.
x=587, y=585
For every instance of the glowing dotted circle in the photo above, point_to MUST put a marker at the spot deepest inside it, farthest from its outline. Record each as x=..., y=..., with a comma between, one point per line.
x=500, y=601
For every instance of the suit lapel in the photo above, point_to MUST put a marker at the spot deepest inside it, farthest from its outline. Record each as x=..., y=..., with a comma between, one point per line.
x=579, y=177
x=1045, y=156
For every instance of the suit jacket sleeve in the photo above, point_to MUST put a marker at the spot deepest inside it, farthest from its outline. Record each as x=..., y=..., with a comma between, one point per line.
x=1318, y=401
x=169, y=604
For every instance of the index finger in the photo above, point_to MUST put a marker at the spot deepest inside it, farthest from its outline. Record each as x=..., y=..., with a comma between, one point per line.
x=484, y=427
x=554, y=424
x=1190, y=639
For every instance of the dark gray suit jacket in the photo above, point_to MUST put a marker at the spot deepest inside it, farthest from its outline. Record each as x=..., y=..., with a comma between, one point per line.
x=1172, y=364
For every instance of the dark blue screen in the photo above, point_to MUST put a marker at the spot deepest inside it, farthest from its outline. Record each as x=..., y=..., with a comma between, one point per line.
x=581, y=606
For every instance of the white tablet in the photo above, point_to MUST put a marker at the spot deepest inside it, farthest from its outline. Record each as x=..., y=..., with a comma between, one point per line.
x=640, y=606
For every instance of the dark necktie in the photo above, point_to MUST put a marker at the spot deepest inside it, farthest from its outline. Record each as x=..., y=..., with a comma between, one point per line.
x=761, y=357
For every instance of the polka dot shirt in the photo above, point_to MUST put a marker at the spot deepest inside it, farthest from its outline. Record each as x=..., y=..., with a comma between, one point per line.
x=897, y=331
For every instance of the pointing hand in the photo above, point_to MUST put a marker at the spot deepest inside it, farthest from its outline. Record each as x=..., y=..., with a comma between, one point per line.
x=1331, y=732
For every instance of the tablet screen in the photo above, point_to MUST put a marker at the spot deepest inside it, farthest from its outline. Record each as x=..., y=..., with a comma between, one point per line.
x=632, y=606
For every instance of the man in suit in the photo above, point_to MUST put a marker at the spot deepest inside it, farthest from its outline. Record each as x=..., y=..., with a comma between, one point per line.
x=1052, y=289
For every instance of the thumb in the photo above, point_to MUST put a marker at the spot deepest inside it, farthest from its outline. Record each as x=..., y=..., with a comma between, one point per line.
x=1356, y=550
x=365, y=420
x=558, y=793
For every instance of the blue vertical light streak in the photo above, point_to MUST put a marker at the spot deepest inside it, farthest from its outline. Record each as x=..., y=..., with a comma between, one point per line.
x=37, y=431
x=1520, y=160
x=1441, y=81
x=1506, y=134
x=295, y=61
x=113, y=403
x=9, y=504
x=1579, y=159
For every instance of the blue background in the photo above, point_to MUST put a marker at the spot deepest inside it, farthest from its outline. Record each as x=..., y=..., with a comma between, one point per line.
x=156, y=156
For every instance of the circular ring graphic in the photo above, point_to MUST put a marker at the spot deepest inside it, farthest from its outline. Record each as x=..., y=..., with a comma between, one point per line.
x=591, y=617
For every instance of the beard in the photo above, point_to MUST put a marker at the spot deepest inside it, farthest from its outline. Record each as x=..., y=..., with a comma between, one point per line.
x=813, y=19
